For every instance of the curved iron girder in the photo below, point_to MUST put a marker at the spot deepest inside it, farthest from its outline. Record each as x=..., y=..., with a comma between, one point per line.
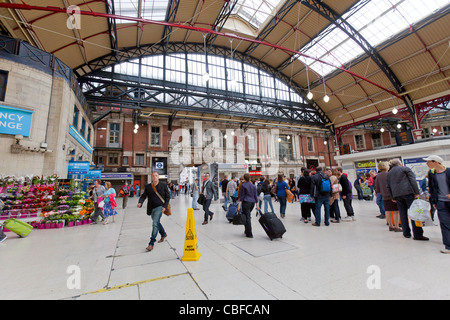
x=331, y=15
x=155, y=49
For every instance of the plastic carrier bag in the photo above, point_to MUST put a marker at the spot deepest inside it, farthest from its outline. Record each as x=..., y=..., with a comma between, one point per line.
x=419, y=210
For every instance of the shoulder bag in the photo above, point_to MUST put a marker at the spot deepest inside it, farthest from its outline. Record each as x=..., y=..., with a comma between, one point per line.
x=167, y=212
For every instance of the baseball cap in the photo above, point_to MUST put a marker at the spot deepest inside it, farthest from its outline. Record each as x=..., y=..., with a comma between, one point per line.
x=434, y=158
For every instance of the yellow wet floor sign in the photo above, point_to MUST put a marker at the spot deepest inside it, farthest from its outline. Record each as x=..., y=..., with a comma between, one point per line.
x=190, y=241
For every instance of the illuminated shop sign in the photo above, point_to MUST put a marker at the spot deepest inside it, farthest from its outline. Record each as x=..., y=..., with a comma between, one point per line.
x=15, y=121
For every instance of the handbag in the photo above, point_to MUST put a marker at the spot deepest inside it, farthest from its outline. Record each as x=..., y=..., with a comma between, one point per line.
x=306, y=198
x=239, y=219
x=336, y=188
x=167, y=212
x=289, y=195
x=201, y=199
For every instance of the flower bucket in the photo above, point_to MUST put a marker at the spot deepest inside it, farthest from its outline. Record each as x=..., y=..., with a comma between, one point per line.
x=48, y=225
x=71, y=223
x=78, y=223
x=60, y=225
x=5, y=230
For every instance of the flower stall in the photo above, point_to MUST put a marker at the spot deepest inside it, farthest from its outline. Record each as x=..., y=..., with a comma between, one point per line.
x=43, y=203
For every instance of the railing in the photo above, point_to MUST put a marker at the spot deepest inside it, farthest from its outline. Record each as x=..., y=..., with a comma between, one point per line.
x=24, y=51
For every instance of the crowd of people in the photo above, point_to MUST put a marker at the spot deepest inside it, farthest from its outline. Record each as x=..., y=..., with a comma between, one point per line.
x=394, y=186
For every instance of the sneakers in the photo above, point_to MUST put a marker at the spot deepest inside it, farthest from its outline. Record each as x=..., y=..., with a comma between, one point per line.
x=445, y=251
x=3, y=238
x=348, y=219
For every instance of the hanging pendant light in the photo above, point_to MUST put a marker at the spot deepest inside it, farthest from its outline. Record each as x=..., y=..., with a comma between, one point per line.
x=326, y=98
x=205, y=76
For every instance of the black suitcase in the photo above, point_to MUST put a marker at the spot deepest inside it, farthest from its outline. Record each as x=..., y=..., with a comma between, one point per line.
x=272, y=225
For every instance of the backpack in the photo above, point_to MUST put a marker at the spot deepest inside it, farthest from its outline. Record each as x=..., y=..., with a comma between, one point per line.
x=125, y=190
x=325, y=185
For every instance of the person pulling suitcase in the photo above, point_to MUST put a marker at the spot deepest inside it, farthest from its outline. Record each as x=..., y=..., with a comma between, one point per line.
x=247, y=200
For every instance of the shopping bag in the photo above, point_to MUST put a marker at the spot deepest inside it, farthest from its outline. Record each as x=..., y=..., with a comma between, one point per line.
x=289, y=195
x=419, y=210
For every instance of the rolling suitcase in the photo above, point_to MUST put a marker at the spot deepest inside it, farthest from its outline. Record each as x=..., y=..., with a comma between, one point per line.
x=232, y=210
x=22, y=229
x=272, y=225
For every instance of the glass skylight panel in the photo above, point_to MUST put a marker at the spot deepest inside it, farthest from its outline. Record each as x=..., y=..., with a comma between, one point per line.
x=151, y=9
x=256, y=12
x=376, y=21
x=154, y=9
x=127, y=8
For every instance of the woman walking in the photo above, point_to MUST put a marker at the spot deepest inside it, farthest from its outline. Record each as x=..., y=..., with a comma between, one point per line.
x=247, y=201
x=98, y=194
x=109, y=197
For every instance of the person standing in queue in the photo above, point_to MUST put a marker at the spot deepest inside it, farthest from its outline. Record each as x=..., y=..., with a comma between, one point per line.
x=158, y=196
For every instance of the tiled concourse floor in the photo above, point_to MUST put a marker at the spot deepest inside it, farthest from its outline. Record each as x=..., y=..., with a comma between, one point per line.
x=350, y=260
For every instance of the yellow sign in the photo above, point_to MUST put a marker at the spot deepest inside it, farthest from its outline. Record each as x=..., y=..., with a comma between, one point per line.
x=190, y=241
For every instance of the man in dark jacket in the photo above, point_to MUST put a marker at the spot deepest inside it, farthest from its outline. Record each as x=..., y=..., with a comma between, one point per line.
x=403, y=188
x=158, y=200
x=439, y=184
x=320, y=197
x=346, y=195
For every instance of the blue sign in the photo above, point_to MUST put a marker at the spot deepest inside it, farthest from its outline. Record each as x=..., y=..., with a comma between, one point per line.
x=93, y=174
x=80, y=139
x=15, y=121
x=124, y=176
x=78, y=167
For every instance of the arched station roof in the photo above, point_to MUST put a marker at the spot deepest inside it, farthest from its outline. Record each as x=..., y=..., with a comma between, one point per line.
x=368, y=56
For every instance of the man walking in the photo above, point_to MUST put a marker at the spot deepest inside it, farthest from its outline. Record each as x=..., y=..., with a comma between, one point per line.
x=439, y=184
x=402, y=186
x=125, y=192
x=158, y=196
x=209, y=191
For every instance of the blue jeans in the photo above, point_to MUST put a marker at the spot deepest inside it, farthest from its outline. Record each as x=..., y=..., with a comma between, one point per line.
x=194, y=200
x=227, y=201
x=206, y=208
x=443, y=209
x=268, y=200
x=325, y=200
x=380, y=203
x=282, y=200
x=157, y=226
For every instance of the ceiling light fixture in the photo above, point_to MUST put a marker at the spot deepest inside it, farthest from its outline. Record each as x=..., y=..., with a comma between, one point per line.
x=326, y=98
x=309, y=95
x=205, y=75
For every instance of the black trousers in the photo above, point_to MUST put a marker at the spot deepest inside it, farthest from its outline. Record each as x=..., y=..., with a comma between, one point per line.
x=247, y=208
x=307, y=208
x=403, y=204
